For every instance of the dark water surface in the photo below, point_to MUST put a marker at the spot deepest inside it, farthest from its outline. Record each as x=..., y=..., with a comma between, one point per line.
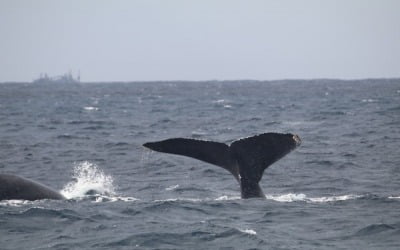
x=339, y=190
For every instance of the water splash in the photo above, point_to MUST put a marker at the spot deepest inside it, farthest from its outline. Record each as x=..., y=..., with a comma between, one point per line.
x=88, y=179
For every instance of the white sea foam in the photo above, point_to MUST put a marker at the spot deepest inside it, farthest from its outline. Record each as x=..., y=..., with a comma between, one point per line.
x=287, y=197
x=368, y=100
x=173, y=187
x=91, y=108
x=302, y=197
x=88, y=178
x=227, y=198
x=248, y=231
x=394, y=197
x=223, y=102
x=198, y=133
x=335, y=198
x=291, y=197
x=15, y=203
x=219, y=101
x=105, y=198
x=222, y=198
x=180, y=199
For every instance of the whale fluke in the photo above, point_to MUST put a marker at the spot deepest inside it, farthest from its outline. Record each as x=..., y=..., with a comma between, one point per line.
x=13, y=187
x=215, y=153
x=246, y=159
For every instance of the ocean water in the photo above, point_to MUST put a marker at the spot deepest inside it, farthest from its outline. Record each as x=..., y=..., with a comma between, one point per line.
x=339, y=190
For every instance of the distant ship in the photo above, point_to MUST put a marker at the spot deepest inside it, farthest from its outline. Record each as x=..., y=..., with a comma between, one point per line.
x=63, y=79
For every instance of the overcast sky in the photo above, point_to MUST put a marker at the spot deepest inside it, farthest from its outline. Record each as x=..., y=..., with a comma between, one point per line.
x=199, y=40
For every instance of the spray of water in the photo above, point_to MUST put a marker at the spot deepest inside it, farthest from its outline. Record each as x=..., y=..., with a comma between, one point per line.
x=88, y=179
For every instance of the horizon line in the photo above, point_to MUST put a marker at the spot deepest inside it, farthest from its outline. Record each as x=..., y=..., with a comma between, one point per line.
x=225, y=80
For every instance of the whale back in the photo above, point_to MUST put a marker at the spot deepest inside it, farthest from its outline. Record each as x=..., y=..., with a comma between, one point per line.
x=13, y=187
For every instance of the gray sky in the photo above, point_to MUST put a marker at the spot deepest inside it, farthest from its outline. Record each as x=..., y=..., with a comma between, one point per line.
x=199, y=40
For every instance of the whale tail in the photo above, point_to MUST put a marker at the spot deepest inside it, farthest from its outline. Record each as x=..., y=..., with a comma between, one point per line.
x=246, y=159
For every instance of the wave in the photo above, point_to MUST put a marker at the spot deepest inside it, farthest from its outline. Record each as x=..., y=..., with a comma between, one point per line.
x=187, y=239
x=48, y=213
x=376, y=229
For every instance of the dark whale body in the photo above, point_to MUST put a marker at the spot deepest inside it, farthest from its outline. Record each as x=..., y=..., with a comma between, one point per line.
x=246, y=159
x=13, y=187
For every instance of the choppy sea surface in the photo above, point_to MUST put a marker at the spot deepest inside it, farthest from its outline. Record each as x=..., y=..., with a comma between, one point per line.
x=339, y=190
